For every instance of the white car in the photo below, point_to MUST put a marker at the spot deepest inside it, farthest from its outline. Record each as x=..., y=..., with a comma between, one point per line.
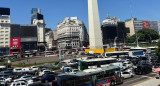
x=74, y=70
x=127, y=74
x=17, y=70
x=19, y=83
x=41, y=73
x=34, y=68
x=127, y=64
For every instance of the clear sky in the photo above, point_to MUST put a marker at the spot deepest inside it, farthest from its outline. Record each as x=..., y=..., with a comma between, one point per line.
x=55, y=11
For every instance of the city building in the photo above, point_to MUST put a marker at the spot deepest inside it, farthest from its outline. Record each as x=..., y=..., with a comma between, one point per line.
x=71, y=33
x=49, y=38
x=135, y=25
x=113, y=30
x=23, y=38
x=37, y=19
x=4, y=30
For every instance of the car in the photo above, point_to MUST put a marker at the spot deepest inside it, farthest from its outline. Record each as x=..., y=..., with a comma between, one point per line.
x=143, y=68
x=74, y=70
x=18, y=83
x=127, y=74
x=39, y=84
x=41, y=73
x=48, y=78
x=3, y=82
x=157, y=65
x=17, y=70
x=127, y=64
x=26, y=81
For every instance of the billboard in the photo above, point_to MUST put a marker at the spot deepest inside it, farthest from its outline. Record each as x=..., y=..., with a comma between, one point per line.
x=146, y=25
x=15, y=43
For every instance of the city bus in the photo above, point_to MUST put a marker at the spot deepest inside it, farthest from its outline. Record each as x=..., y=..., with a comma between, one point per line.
x=106, y=76
x=94, y=63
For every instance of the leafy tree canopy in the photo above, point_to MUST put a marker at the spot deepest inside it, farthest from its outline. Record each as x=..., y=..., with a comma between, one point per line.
x=144, y=35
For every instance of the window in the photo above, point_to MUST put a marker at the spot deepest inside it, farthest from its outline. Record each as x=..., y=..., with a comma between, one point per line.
x=6, y=31
x=2, y=31
x=2, y=28
x=100, y=76
x=69, y=82
x=6, y=35
x=6, y=28
x=106, y=74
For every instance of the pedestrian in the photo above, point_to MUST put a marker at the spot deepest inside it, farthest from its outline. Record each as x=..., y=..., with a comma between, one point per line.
x=159, y=73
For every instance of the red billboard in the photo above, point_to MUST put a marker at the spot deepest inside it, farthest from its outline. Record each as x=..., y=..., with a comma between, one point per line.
x=146, y=25
x=15, y=43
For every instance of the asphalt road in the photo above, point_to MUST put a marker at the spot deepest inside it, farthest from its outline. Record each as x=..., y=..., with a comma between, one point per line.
x=137, y=79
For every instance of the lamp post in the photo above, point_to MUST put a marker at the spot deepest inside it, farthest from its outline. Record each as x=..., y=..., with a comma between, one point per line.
x=115, y=41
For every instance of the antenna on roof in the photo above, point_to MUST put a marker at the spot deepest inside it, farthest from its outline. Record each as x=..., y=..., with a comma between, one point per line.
x=108, y=15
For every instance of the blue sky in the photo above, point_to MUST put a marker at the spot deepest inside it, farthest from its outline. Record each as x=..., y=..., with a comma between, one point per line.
x=55, y=11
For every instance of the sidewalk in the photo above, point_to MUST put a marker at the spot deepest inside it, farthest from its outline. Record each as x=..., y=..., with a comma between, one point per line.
x=149, y=82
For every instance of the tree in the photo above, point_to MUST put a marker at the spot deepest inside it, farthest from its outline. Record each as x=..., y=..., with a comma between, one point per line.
x=145, y=35
x=158, y=51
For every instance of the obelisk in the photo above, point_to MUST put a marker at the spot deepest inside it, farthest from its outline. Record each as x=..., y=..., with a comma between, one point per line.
x=95, y=33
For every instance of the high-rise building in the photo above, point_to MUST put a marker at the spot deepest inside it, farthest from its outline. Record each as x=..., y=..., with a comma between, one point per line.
x=135, y=25
x=37, y=19
x=4, y=30
x=71, y=33
x=112, y=28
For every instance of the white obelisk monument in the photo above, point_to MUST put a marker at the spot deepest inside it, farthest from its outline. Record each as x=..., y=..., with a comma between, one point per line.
x=95, y=33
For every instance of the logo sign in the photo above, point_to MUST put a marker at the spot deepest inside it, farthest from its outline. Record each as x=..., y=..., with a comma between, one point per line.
x=146, y=25
x=15, y=42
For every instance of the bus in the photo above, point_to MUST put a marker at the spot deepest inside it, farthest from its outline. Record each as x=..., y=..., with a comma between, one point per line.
x=94, y=63
x=106, y=76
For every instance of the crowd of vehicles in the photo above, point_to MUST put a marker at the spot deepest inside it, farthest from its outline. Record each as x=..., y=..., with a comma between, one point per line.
x=99, y=70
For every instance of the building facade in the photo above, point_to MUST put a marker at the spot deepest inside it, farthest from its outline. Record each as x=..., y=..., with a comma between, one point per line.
x=135, y=25
x=37, y=19
x=4, y=30
x=71, y=33
x=23, y=38
x=49, y=36
x=113, y=30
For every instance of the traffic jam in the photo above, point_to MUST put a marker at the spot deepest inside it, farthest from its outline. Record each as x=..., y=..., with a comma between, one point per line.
x=108, y=69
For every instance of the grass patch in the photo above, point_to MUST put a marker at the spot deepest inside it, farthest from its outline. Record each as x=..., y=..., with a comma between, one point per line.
x=35, y=64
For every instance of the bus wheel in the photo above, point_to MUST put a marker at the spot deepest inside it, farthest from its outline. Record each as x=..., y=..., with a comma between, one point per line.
x=113, y=83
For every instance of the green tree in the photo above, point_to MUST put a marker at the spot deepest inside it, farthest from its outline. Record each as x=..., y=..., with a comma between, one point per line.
x=145, y=35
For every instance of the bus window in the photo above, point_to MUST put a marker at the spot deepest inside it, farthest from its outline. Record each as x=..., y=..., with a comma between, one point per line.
x=100, y=76
x=106, y=74
x=69, y=82
x=79, y=81
x=111, y=73
x=83, y=81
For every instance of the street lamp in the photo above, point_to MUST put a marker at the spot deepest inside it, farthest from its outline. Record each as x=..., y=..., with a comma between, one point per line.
x=115, y=41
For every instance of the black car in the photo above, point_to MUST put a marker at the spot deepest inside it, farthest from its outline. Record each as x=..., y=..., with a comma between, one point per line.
x=157, y=65
x=48, y=78
x=143, y=68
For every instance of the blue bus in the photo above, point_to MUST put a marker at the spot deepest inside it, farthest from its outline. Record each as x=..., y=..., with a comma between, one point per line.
x=106, y=76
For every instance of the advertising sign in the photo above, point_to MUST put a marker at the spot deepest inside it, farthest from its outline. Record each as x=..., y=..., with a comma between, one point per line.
x=15, y=42
x=146, y=25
